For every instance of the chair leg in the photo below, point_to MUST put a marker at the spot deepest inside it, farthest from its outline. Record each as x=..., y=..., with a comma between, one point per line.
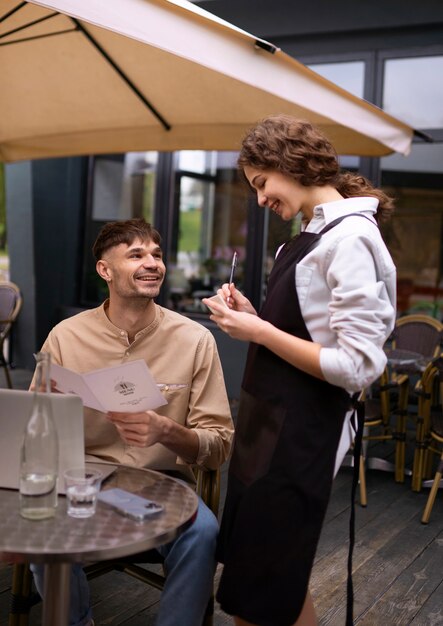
x=419, y=463
x=22, y=600
x=362, y=481
x=432, y=494
x=400, y=434
x=8, y=376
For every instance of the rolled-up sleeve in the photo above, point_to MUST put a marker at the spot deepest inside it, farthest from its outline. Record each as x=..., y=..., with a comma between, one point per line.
x=360, y=311
x=209, y=412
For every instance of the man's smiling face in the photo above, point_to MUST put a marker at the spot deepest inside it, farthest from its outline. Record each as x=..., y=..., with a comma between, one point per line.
x=136, y=270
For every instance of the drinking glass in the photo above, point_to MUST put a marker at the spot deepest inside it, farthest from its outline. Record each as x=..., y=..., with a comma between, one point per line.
x=82, y=486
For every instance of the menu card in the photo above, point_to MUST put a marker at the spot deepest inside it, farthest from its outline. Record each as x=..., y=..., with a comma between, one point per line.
x=127, y=388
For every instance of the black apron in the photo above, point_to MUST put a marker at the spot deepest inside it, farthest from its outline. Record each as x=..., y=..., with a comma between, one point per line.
x=280, y=475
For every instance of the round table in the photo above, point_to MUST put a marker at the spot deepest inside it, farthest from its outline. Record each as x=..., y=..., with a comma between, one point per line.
x=407, y=359
x=59, y=541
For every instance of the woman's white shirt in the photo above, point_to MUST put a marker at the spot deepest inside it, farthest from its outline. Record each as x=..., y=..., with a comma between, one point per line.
x=346, y=288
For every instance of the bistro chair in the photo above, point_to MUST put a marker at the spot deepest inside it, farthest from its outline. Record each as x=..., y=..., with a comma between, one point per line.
x=435, y=446
x=23, y=598
x=419, y=334
x=10, y=305
x=387, y=401
x=429, y=439
x=380, y=404
x=415, y=342
x=427, y=392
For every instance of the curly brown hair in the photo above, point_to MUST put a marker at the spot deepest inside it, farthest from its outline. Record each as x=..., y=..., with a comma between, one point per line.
x=298, y=149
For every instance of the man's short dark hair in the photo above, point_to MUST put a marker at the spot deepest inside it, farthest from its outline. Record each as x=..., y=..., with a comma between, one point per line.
x=116, y=233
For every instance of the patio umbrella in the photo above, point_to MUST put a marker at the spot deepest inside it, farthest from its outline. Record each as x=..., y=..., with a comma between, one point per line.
x=104, y=76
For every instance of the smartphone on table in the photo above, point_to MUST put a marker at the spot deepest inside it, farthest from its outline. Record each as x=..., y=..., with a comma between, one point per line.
x=130, y=504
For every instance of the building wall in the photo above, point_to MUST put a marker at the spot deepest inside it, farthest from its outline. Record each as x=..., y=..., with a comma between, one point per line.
x=318, y=23
x=45, y=212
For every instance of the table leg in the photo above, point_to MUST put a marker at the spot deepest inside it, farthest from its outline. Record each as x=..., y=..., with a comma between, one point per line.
x=56, y=594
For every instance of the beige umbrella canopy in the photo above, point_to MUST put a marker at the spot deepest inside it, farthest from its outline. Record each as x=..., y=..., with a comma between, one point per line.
x=103, y=76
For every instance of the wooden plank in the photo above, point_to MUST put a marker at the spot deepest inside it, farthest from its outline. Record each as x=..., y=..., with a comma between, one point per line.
x=335, y=531
x=402, y=601
x=378, y=566
x=431, y=612
x=5, y=577
x=329, y=576
x=117, y=597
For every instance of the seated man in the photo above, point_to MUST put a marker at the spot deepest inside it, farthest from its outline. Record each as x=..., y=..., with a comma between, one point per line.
x=194, y=428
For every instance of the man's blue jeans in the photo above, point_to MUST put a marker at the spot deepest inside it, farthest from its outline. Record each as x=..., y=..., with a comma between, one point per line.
x=190, y=566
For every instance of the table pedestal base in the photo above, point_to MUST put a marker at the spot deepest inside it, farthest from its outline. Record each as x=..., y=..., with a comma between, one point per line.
x=56, y=594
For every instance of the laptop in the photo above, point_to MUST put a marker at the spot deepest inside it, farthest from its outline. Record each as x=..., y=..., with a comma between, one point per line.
x=67, y=410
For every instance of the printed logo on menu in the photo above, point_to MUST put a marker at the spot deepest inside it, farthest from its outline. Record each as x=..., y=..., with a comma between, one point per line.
x=125, y=388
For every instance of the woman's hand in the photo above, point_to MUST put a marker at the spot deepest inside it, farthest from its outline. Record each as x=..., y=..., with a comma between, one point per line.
x=235, y=299
x=232, y=319
x=238, y=324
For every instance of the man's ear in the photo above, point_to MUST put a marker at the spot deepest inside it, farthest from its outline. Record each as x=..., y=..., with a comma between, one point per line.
x=103, y=270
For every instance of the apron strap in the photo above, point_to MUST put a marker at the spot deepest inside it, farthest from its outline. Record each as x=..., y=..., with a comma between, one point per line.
x=359, y=416
x=343, y=217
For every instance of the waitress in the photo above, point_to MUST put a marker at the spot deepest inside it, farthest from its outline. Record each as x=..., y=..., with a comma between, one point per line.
x=317, y=340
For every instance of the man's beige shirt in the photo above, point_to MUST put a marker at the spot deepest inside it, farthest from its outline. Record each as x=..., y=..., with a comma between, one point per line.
x=183, y=359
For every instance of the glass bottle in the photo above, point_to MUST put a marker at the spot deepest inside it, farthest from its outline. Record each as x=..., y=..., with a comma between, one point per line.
x=39, y=453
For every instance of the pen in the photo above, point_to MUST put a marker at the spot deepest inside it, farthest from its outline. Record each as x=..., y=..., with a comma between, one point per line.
x=233, y=266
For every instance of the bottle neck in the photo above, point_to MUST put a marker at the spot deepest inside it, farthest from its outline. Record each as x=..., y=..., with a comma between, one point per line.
x=42, y=376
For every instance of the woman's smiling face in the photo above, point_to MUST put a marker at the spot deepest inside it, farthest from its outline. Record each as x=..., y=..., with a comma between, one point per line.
x=279, y=193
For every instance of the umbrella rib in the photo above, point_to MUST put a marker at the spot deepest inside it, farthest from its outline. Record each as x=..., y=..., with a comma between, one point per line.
x=12, y=11
x=127, y=80
x=423, y=136
x=19, y=28
x=59, y=32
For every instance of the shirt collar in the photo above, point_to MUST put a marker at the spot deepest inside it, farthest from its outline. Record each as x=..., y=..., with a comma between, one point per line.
x=122, y=333
x=327, y=212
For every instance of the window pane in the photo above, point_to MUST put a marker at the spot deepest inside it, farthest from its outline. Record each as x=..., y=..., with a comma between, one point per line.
x=422, y=158
x=212, y=224
x=413, y=90
x=197, y=161
x=190, y=233
x=123, y=186
x=414, y=234
x=413, y=237
x=347, y=75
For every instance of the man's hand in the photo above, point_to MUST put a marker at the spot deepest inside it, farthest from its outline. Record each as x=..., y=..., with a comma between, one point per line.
x=43, y=387
x=148, y=428
x=139, y=429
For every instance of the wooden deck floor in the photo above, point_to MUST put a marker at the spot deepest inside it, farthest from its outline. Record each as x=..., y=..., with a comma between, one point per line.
x=398, y=572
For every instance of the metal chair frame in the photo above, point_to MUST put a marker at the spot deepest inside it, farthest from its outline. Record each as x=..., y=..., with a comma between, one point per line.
x=437, y=482
x=9, y=315
x=402, y=376
x=379, y=412
x=429, y=440
x=377, y=416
